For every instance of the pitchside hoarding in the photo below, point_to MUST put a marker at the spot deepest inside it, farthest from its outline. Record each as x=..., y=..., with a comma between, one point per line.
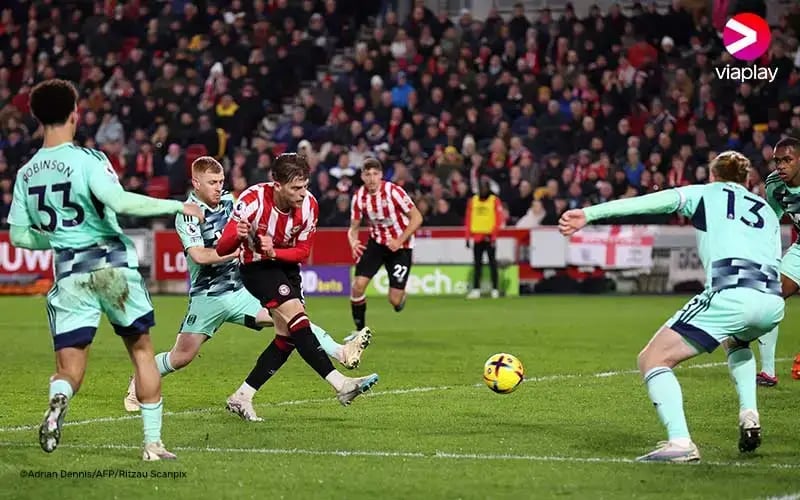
x=445, y=280
x=170, y=264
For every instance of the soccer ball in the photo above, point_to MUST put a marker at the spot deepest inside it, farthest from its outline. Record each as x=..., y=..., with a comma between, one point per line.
x=503, y=373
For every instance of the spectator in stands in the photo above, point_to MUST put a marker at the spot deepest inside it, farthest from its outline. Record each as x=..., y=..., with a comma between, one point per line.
x=634, y=88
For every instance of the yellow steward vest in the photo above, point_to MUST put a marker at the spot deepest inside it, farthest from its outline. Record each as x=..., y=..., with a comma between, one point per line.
x=483, y=215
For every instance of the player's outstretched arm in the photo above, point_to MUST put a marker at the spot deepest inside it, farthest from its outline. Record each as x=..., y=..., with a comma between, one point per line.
x=192, y=240
x=209, y=256
x=655, y=203
x=105, y=186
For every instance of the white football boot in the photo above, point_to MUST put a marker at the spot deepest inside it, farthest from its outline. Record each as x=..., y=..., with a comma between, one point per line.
x=131, y=402
x=351, y=351
x=242, y=407
x=668, y=451
x=354, y=387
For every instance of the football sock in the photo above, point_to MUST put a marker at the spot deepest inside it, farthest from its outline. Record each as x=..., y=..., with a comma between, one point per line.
x=336, y=379
x=358, y=305
x=60, y=386
x=163, y=364
x=665, y=393
x=270, y=361
x=766, y=348
x=246, y=391
x=308, y=345
x=330, y=346
x=151, y=420
x=742, y=365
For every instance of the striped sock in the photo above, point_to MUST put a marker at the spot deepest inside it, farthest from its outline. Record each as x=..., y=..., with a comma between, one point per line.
x=163, y=364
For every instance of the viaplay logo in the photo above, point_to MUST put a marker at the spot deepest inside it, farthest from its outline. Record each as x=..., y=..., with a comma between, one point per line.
x=746, y=37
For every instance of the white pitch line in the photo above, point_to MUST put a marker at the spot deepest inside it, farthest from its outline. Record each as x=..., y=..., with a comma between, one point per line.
x=392, y=392
x=793, y=496
x=437, y=455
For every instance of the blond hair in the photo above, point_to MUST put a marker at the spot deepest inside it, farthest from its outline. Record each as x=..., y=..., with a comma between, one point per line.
x=205, y=164
x=730, y=166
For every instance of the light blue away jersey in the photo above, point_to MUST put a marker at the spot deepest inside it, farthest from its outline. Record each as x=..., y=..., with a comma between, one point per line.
x=738, y=235
x=215, y=279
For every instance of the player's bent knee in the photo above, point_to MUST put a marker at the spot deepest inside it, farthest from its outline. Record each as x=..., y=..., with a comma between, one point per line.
x=359, y=286
x=288, y=310
x=264, y=319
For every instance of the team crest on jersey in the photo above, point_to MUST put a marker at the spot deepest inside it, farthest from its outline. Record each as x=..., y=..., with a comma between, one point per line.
x=283, y=290
x=192, y=229
x=239, y=208
x=191, y=319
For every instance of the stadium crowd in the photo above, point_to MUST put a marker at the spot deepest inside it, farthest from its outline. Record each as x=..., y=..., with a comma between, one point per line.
x=559, y=112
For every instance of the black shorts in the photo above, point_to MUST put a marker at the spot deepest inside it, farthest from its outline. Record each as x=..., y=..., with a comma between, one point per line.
x=272, y=282
x=397, y=264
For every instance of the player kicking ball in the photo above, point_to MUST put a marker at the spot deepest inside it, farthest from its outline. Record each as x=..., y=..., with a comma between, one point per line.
x=393, y=219
x=217, y=295
x=738, y=239
x=783, y=195
x=66, y=198
x=273, y=226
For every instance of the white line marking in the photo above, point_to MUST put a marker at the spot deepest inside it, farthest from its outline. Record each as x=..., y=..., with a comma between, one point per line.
x=793, y=496
x=440, y=455
x=393, y=392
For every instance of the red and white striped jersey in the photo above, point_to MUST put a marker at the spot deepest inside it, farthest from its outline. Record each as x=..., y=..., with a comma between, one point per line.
x=386, y=210
x=292, y=233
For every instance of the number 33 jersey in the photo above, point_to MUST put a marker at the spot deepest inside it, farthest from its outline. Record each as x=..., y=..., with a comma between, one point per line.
x=58, y=192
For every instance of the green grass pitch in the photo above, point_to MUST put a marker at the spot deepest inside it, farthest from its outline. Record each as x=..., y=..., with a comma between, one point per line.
x=430, y=429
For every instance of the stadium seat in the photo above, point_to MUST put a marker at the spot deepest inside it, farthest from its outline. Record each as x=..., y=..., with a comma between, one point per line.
x=158, y=187
x=193, y=152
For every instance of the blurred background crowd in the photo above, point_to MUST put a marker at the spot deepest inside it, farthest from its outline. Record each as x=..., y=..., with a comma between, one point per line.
x=558, y=111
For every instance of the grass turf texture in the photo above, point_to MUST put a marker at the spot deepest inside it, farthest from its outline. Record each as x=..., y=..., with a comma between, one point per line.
x=429, y=430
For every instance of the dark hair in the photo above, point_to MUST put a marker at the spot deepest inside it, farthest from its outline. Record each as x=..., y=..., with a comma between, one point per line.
x=372, y=163
x=730, y=166
x=789, y=142
x=52, y=101
x=290, y=166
